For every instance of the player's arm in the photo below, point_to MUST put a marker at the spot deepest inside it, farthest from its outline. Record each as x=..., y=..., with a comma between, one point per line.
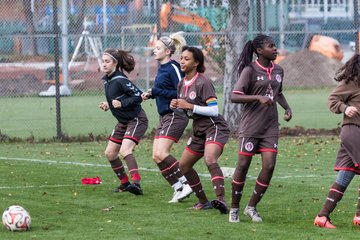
x=284, y=104
x=211, y=110
x=171, y=80
x=131, y=96
x=238, y=95
x=337, y=100
x=169, y=93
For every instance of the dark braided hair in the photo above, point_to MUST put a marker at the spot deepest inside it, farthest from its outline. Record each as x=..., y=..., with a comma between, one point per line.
x=350, y=71
x=125, y=61
x=249, y=49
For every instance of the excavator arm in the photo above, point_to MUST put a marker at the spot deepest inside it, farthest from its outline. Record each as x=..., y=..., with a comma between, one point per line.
x=170, y=12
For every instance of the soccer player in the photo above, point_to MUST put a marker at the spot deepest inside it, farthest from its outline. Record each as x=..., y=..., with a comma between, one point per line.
x=123, y=99
x=210, y=132
x=258, y=88
x=345, y=99
x=172, y=123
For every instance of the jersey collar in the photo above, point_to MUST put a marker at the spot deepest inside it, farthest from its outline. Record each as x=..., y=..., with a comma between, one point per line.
x=267, y=69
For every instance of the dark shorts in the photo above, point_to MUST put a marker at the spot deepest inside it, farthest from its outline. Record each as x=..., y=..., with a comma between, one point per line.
x=348, y=157
x=133, y=130
x=171, y=126
x=249, y=146
x=214, y=134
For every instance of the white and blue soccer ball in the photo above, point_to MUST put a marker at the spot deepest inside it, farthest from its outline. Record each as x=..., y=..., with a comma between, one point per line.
x=16, y=218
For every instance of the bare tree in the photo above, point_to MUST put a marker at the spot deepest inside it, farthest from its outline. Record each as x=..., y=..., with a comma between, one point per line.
x=235, y=38
x=30, y=27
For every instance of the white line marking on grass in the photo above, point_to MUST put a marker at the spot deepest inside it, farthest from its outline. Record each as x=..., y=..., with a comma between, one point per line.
x=227, y=169
x=55, y=162
x=41, y=186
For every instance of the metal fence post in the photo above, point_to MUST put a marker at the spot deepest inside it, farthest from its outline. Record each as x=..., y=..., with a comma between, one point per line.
x=356, y=24
x=56, y=61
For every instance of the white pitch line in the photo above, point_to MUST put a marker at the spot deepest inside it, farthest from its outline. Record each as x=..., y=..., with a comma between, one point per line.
x=142, y=169
x=41, y=186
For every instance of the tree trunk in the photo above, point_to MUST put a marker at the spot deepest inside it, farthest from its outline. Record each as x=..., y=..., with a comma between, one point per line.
x=30, y=27
x=237, y=23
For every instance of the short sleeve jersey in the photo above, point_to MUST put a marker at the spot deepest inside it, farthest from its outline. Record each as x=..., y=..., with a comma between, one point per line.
x=259, y=120
x=197, y=92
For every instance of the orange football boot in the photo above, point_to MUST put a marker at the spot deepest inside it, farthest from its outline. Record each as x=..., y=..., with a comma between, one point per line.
x=323, y=222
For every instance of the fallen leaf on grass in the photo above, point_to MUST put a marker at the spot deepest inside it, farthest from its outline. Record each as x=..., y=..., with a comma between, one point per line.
x=108, y=209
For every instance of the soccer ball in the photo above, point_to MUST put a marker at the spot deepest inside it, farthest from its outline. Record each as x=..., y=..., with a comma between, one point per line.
x=16, y=218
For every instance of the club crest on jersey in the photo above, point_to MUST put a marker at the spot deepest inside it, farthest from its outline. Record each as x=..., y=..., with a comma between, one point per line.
x=249, y=146
x=258, y=78
x=192, y=95
x=278, y=78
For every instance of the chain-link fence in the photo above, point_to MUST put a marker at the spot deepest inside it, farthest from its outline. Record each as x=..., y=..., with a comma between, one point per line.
x=35, y=34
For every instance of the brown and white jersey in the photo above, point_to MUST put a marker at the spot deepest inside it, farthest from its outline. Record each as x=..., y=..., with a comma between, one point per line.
x=260, y=120
x=199, y=91
x=345, y=94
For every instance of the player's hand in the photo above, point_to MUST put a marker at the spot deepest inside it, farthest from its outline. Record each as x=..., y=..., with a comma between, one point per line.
x=288, y=115
x=265, y=100
x=183, y=104
x=104, y=106
x=145, y=96
x=351, y=111
x=116, y=103
x=174, y=104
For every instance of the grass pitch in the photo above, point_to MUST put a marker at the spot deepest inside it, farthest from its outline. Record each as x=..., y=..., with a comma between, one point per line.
x=45, y=179
x=80, y=115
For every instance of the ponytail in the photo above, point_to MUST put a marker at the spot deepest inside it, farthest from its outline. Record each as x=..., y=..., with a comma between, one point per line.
x=179, y=41
x=125, y=61
x=248, y=51
x=245, y=58
x=174, y=42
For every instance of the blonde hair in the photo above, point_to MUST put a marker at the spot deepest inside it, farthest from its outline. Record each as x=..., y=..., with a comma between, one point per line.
x=174, y=42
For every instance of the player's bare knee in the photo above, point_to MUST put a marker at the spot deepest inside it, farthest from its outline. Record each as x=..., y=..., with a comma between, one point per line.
x=209, y=160
x=159, y=156
x=110, y=155
x=156, y=158
x=125, y=152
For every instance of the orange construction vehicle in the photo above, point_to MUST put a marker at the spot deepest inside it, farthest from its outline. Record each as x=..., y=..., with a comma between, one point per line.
x=170, y=12
x=327, y=46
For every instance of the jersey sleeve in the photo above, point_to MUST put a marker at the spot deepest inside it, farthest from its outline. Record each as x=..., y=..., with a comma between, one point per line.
x=131, y=96
x=281, y=83
x=338, y=98
x=208, y=94
x=243, y=83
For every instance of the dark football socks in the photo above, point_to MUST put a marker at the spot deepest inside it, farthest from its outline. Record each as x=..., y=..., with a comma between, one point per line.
x=119, y=170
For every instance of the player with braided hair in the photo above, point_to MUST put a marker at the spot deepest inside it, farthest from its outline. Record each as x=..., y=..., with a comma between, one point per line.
x=258, y=88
